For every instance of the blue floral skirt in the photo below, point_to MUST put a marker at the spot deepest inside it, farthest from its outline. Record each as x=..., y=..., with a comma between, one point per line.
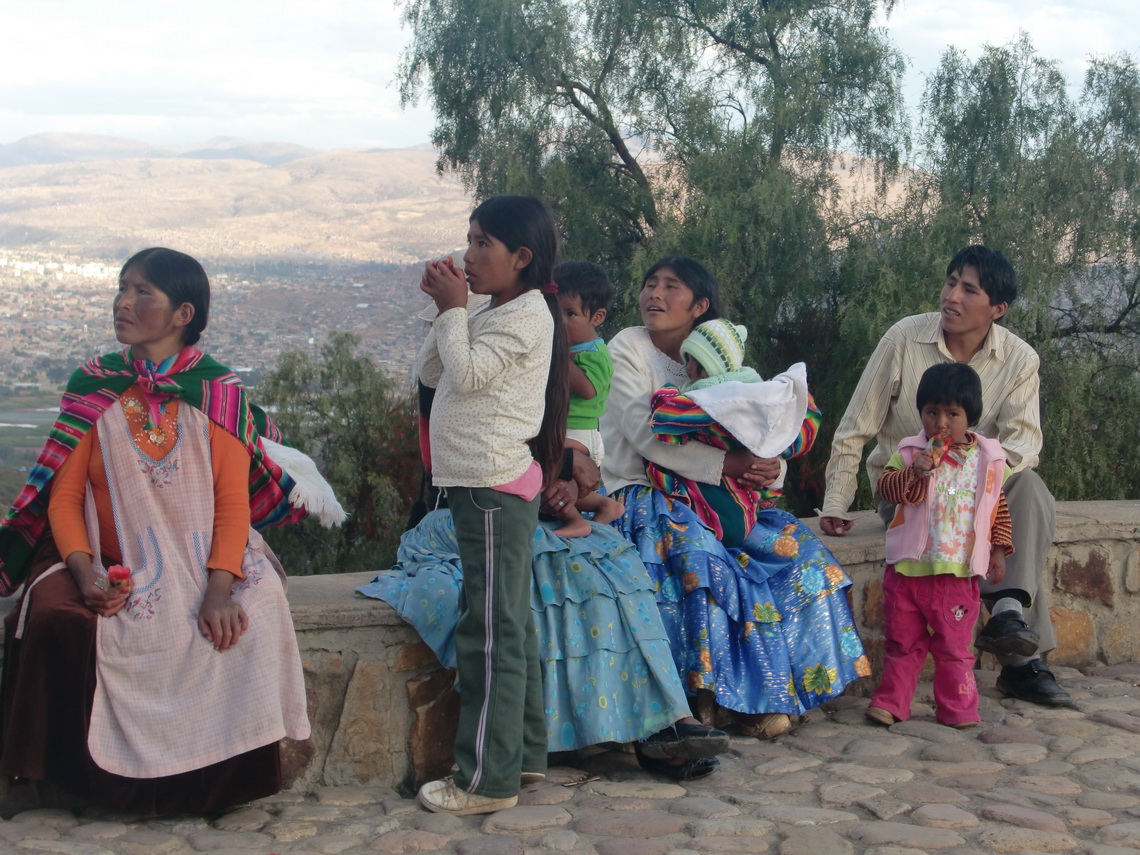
x=608, y=671
x=766, y=627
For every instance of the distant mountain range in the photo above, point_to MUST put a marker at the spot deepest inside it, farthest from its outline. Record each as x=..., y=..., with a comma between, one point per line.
x=69, y=148
x=81, y=194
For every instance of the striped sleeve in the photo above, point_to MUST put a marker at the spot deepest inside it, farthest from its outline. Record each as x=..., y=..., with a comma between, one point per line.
x=1001, y=533
x=676, y=413
x=808, y=431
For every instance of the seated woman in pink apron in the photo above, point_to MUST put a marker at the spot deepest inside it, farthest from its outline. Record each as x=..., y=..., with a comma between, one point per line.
x=169, y=691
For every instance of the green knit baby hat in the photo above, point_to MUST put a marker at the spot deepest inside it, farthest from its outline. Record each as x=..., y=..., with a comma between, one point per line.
x=717, y=345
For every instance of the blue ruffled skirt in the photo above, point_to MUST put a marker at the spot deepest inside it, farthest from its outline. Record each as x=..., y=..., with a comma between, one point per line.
x=608, y=671
x=766, y=627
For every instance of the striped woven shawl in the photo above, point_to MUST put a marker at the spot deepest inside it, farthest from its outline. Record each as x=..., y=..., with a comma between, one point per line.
x=195, y=378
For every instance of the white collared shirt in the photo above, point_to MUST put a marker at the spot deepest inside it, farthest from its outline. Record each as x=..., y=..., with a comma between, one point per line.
x=883, y=405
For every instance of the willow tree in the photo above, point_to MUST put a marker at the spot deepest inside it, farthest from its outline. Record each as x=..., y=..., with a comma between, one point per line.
x=1008, y=158
x=638, y=118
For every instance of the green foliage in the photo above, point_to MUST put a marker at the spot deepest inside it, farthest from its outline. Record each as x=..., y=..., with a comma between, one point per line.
x=712, y=128
x=360, y=427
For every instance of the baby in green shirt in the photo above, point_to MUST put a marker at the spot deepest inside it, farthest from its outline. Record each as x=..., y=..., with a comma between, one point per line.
x=584, y=293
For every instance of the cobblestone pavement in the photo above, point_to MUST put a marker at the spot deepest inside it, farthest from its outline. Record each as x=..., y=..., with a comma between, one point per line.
x=1029, y=779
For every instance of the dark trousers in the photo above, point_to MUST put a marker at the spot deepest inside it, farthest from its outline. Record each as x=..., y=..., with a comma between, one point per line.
x=502, y=726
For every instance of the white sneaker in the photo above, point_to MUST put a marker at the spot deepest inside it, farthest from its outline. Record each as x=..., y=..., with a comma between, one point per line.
x=444, y=797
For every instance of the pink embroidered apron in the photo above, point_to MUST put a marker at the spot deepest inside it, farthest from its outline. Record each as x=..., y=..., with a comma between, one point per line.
x=165, y=700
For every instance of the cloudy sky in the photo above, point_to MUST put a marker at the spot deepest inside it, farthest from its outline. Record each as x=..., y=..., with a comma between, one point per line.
x=320, y=73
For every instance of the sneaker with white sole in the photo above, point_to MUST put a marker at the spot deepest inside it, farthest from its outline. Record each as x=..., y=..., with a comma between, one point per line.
x=443, y=796
x=528, y=778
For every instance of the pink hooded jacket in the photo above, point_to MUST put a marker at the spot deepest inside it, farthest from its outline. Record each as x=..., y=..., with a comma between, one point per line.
x=909, y=530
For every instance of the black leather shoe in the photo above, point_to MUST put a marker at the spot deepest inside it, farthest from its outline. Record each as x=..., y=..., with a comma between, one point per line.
x=1033, y=682
x=684, y=741
x=1007, y=634
x=689, y=770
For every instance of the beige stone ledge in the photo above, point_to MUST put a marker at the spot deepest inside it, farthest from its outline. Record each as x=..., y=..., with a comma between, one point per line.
x=383, y=710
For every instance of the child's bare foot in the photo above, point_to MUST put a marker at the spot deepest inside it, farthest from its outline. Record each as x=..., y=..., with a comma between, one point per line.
x=573, y=524
x=608, y=510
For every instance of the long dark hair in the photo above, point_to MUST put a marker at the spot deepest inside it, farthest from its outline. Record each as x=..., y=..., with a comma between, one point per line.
x=181, y=278
x=700, y=281
x=520, y=221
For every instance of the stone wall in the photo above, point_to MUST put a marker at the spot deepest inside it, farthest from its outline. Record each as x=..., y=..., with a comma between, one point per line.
x=383, y=710
x=1092, y=583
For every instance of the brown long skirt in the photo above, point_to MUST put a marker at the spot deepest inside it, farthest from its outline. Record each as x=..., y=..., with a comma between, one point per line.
x=45, y=709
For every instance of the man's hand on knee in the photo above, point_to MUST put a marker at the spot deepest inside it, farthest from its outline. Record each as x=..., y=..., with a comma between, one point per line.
x=835, y=526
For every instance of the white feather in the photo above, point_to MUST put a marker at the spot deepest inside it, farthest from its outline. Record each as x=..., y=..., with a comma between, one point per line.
x=311, y=491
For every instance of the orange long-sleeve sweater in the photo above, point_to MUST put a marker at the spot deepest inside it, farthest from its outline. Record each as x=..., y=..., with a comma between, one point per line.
x=229, y=462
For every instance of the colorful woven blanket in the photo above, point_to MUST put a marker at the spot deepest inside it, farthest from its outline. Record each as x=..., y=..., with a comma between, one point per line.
x=193, y=377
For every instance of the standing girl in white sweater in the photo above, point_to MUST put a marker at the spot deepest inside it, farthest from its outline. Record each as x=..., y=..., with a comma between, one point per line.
x=494, y=443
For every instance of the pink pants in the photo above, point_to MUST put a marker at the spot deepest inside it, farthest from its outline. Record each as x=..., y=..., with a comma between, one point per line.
x=934, y=614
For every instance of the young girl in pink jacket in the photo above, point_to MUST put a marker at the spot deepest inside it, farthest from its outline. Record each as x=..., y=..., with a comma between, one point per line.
x=951, y=527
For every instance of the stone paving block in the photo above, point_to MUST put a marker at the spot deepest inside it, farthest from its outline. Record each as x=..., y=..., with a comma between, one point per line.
x=703, y=807
x=634, y=789
x=730, y=828
x=546, y=795
x=213, y=841
x=352, y=796
x=290, y=832
x=65, y=847
x=786, y=765
x=1047, y=767
x=1072, y=727
x=96, y=831
x=728, y=844
x=813, y=747
x=1107, y=801
x=1053, y=785
x=1082, y=817
x=144, y=841
x=1018, y=754
x=1024, y=817
x=606, y=803
x=332, y=844
x=928, y=793
x=178, y=825
x=647, y=824
x=877, y=747
x=50, y=817
x=246, y=819
x=631, y=846
x=897, y=833
x=886, y=807
x=844, y=794
x=798, y=782
x=493, y=845
x=946, y=769
x=943, y=816
x=748, y=799
x=970, y=783
x=409, y=840
x=1007, y=839
x=868, y=774
x=321, y=812
x=801, y=816
x=955, y=752
x=1121, y=834
x=929, y=731
x=562, y=840
x=526, y=820
x=1107, y=776
x=394, y=806
x=814, y=841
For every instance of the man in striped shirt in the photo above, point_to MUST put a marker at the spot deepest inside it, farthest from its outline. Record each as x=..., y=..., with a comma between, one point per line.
x=980, y=285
